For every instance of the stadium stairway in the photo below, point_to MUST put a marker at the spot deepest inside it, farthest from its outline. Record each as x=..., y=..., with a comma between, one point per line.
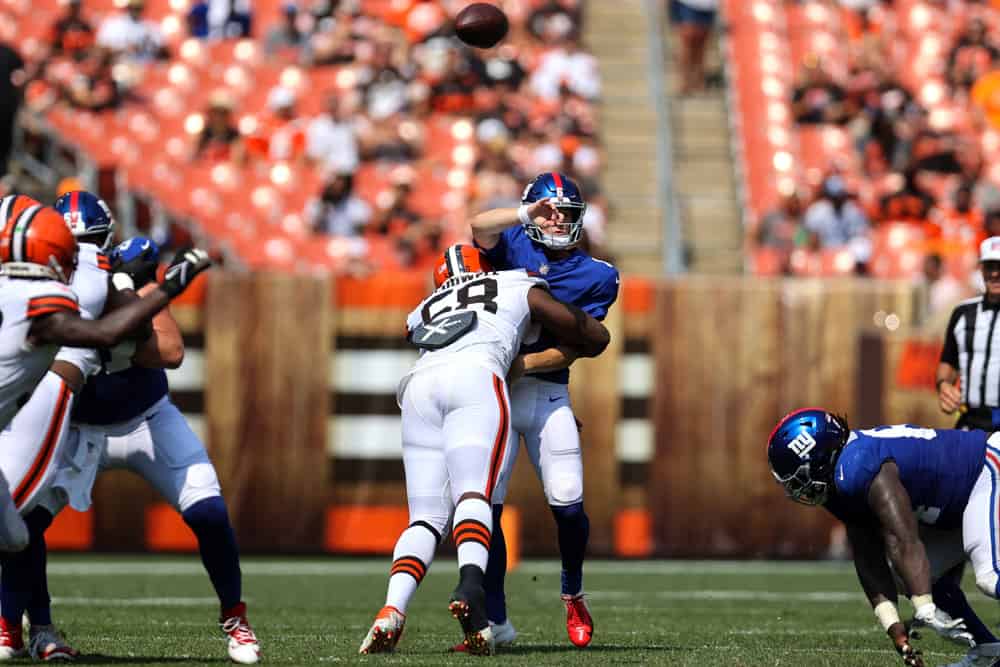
x=615, y=32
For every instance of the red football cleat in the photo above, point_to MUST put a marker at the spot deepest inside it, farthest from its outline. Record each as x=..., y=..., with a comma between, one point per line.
x=11, y=640
x=579, y=624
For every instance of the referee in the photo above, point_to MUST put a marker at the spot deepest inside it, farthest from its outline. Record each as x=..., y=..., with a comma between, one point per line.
x=968, y=377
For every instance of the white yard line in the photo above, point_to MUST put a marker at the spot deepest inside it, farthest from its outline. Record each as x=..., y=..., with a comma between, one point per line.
x=723, y=595
x=154, y=567
x=134, y=602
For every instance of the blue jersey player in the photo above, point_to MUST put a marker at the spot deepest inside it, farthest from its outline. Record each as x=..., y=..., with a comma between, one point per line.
x=916, y=502
x=129, y=415
x=541, y=236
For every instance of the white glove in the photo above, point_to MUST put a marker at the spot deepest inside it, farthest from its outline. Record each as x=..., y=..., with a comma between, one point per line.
x=952, y=629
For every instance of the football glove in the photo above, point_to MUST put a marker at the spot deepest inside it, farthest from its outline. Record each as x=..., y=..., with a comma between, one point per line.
x=187, y=264
x=138, y=258
x=938, y=620
x=911, y=656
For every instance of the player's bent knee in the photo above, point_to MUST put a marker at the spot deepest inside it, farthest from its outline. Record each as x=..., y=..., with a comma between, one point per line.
x=199, y=482
x=436, y=532
x=565, y=490
x=987, y=582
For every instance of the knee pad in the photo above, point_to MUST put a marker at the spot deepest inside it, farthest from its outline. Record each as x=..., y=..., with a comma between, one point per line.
x=565, y=489
x=987, y=583
x=199, y=483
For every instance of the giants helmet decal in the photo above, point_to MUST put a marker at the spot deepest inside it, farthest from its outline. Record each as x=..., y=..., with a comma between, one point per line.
x=87, y=215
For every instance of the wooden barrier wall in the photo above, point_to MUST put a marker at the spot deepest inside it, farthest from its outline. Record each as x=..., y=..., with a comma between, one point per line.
x=292, y=385
x=733, y=356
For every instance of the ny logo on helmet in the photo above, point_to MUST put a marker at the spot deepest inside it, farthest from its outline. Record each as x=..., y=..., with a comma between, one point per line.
x=802, y=444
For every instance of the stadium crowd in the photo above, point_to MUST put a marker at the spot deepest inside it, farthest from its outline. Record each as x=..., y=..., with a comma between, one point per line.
x=365, y=122
x=894, y=105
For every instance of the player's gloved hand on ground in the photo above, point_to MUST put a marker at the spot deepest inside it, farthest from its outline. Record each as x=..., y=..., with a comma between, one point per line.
x=187, y=264
x=901, y=640
x=952, y=629
x=138, y=258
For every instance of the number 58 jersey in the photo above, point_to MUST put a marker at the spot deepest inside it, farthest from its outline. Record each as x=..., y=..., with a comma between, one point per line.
x=499, y=300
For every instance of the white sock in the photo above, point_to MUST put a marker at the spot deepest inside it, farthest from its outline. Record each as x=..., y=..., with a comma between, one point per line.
x=473, y=526
x=410, y=559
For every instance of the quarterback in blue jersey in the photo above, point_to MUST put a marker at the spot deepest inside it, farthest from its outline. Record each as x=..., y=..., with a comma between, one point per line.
x=908, y=497
x=541, y=236
x=126, y=416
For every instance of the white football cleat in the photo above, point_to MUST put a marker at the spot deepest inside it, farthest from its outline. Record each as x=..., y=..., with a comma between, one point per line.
x=11, y=641
x=983, y=655
x=385, y=632
x=47, y=644
x=243, y=645
x=504, y=633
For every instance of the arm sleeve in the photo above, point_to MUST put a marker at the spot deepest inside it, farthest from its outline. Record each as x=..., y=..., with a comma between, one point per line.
x=604, y=294
x=949, y=353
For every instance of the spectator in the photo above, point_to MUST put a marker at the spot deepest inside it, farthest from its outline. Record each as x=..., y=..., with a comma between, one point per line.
x=567, y=10
x=279, y=134
x=219, y=139
x=72, y=35
x=93, y=88
x=128, y=35
x=835, y=220
x=910, y=203
x=782, y=228
x=962, y=218
x=331, y=137
x=972, y=56
x=693, y=20
x=943, y=289
x=818, y=98
x=338, y=211
x=285, y=35
x=395, y=215
x=565, y=66
x=12, y=80
x=219, y=19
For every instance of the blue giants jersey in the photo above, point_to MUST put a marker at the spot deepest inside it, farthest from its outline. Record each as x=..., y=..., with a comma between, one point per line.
x=110, y=398
x=580, y=280
x=938, y=469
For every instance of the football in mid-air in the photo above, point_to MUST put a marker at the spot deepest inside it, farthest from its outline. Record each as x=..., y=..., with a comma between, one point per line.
x=481, y=25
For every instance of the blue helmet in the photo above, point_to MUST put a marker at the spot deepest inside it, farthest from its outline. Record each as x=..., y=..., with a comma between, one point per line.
x=87, y=216
x=802, y=450
x=566, y=196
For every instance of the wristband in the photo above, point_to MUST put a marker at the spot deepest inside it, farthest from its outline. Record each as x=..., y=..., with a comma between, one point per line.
x=922, y=600
x=522, y=214
x=887, y=614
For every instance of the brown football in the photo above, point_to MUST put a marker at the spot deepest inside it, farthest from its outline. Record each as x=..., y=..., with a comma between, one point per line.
x=481, y=25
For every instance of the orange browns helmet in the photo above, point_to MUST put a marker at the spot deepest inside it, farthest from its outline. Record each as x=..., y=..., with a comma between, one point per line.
x=12, y=205
x=38, y=244
x=458, y=259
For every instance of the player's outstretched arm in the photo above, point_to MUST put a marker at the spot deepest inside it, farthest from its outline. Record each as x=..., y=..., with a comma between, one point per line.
x=165, y=348
x=568, y=323
x=488, y=225
x=877, y=581
x=67, y=328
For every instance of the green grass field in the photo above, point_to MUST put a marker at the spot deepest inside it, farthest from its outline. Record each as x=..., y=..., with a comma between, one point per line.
x=155, y=610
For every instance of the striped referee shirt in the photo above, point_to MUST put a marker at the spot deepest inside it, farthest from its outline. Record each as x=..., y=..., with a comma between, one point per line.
x=972, y=345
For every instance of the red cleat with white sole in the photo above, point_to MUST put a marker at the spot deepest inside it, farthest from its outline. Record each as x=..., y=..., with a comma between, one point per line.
x=11, y=640
x=579, y=624
x=243, y=645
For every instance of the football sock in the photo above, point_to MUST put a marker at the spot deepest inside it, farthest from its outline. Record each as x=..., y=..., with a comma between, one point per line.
x=574, y=532
x=410, y=559
x=39, y=604
x=473, y=521
x=949, y=597
x=209, y=520
x=496, y=570
x=20, y=571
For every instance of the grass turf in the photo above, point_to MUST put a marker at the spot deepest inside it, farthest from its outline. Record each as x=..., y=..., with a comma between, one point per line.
x=156, y=610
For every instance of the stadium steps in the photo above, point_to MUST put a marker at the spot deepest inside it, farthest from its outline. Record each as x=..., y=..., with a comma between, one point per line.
x=615, y=33
x=704, y=178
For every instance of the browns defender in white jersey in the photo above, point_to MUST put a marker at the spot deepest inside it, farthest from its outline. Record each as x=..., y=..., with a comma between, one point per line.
x=456, y=425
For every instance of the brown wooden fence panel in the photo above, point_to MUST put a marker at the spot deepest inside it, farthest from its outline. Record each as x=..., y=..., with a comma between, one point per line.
x=267, y=362
x=732, y=356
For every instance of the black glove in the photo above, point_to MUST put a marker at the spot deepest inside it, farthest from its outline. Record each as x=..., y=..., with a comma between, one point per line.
x=187, y=264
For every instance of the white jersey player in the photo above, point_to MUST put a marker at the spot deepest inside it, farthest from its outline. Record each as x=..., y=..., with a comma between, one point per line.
x=41, y=313
x=456, y=425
